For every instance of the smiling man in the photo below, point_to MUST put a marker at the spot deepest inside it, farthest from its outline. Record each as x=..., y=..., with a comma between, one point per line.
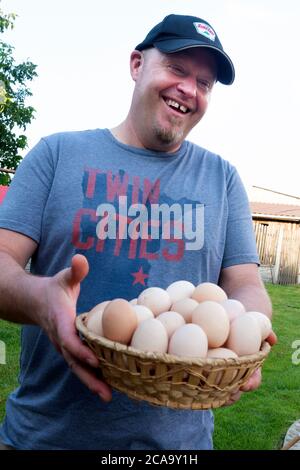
x=72, y=208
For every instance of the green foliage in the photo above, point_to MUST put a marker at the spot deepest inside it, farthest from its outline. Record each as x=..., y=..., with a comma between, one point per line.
x=260, y=419
x=14, y=115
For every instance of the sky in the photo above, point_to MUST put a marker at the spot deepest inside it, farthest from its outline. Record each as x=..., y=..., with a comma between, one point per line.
x=82, y=50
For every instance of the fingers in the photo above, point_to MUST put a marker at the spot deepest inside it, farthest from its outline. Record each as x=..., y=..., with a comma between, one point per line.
x=272, y=338
x=77, y=272
x=234, y=397
x=79, y=269
x=88, y=377
x=70, y=342
x=253, y=382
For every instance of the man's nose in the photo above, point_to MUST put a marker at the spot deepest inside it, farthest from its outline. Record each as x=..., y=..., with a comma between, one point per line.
x=188, y=87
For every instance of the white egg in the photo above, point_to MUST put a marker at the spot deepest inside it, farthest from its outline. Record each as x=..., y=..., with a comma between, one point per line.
x=142, y=313
x=185, y=307
x=209, y=291
x=233, y=307
x=150, y=335
x=190, y=341
x=213, y=319
x=133, y=301
x=94, y=322
x=180, y=290
x=264, y=323
x=100, y=307
x=155, y=298
x=244, y=336
x=223, y=377
x=223, y=353
x=171, y=321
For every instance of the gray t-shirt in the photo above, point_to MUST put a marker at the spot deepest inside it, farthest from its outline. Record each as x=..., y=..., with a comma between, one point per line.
x=174, y=216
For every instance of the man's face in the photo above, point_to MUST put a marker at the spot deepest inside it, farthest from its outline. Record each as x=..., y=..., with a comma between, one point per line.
x=171, y=95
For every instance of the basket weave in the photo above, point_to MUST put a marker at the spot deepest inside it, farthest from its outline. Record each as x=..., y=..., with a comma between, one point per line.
x=167, y=380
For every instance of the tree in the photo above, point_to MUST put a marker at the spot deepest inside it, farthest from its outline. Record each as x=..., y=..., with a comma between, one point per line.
x=14, y=115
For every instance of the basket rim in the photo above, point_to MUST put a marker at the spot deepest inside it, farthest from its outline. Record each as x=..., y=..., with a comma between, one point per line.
x=166, y=357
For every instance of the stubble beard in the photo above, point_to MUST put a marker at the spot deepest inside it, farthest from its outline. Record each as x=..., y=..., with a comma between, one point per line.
x=170, y=135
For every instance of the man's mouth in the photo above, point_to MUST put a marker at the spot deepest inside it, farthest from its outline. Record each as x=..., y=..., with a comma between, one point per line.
x=177, y=106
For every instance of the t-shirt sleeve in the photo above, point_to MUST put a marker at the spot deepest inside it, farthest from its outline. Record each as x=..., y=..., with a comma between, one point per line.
x=23, y=207
x=240, y=246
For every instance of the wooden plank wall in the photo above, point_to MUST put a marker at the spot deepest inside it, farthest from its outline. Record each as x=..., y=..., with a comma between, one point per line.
x=267, y=233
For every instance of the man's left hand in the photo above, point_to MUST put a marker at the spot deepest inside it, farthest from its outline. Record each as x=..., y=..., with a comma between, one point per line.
x=254, y=380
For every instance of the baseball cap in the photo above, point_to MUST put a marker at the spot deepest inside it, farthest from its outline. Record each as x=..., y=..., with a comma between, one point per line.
x=178, y=32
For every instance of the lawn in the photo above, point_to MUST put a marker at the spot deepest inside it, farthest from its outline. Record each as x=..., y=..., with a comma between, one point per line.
x=261, y=418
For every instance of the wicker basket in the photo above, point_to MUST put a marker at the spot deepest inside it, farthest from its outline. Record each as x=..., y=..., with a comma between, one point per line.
x=167, y=380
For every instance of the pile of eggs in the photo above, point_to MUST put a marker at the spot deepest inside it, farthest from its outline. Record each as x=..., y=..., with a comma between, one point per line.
x=182, y=320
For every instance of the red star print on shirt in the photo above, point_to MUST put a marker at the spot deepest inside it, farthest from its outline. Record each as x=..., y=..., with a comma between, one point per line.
x=139, y=277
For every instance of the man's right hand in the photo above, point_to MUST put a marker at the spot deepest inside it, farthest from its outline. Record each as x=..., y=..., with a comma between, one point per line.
x=49, y=302
x=58, y=320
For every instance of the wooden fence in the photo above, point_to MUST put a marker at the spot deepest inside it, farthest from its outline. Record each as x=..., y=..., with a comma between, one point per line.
x=278, y=245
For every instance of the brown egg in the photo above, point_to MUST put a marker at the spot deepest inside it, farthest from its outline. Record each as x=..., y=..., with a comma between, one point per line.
x=119, y=321
x=209, y=291
x=212, y=317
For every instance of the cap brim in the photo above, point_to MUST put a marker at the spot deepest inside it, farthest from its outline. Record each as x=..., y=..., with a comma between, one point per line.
x=226, y=72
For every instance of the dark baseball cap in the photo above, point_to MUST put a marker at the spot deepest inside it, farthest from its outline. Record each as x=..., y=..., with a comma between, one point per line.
x=178, y=32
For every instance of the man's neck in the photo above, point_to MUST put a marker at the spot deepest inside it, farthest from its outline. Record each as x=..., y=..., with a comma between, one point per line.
x=126, y=134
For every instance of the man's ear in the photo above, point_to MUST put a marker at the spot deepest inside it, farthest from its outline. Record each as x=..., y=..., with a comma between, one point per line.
x=136, y=63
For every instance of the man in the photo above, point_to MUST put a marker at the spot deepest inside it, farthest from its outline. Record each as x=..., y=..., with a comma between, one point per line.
x=72, y=203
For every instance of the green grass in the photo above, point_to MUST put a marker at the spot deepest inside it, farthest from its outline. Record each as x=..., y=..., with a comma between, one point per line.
x=261, y=418
x=10, y=335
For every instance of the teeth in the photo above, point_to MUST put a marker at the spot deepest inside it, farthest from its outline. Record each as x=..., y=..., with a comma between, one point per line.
x=176, y=105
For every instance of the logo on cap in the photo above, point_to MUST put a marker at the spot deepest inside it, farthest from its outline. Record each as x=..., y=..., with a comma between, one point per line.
x=205, y=30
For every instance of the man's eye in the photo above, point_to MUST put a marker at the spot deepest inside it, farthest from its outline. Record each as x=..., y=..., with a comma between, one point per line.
x=204, y=85
x=176, y=69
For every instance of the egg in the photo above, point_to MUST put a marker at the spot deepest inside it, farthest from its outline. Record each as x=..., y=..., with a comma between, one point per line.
x=119, y=321
x=209, y=291
x=264, y=323
x=226, y=376
x=171, y=321
x=150, y=335
x=213, y=319
x=185, y=308
x=223, y=353
x=155, y=298
x=180, y=290
x=94, y=322
x=233, y=307
x=133, y=301
x=188, y=340
x=142, y=313
x=244, y=336
x=100, y=307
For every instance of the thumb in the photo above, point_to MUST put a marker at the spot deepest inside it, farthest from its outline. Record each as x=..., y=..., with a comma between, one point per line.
x=78, y=270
